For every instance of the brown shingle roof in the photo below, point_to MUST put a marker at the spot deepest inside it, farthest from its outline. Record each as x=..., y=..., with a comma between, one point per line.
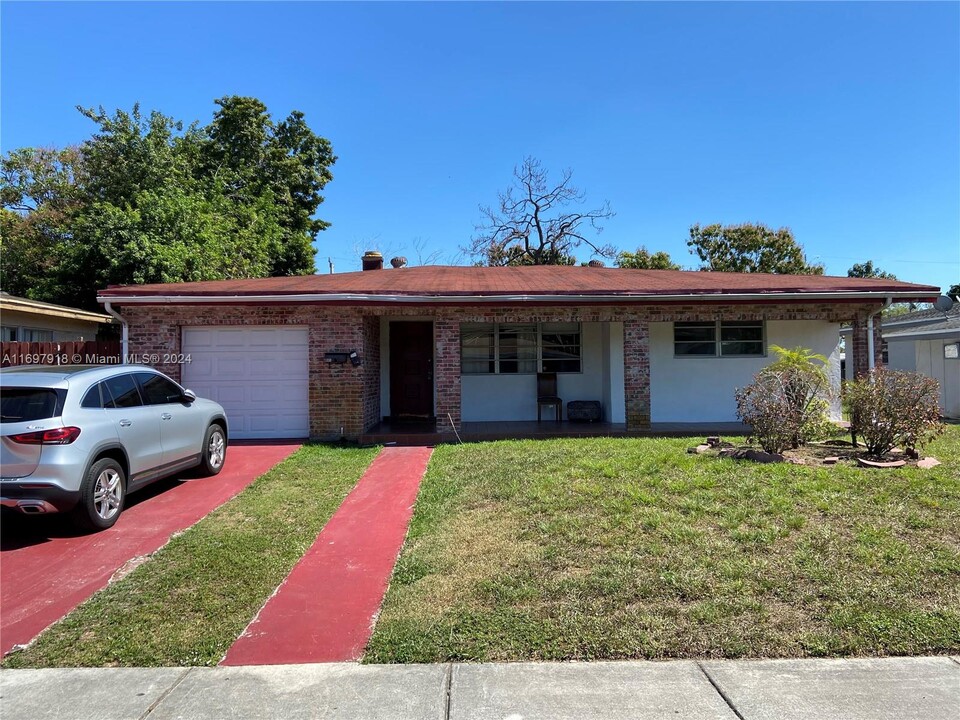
x=453, y=281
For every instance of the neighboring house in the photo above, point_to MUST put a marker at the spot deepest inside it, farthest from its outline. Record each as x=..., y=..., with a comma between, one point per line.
x=25, y=320
x=463, y=344
x=927, y=341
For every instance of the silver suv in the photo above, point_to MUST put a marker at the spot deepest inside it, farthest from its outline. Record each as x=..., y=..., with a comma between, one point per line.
x=79, y=438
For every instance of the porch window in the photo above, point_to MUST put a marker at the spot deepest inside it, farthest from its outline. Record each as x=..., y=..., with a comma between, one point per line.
x=560, y=344
x=477, y=348
x=519, y=348
x=722, y=338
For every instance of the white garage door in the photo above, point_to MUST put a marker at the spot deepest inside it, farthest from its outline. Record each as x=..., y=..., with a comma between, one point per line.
x=259, y=375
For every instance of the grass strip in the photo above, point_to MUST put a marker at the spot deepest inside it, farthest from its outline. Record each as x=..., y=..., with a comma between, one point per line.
x=193, y=598
x=632, y=548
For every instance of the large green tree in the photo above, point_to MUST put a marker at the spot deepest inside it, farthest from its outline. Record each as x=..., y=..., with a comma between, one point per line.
x=749, y=248
x=40, y=199
x=643, y=259
x=537, y=222
x=146, y=200
x=868, y=270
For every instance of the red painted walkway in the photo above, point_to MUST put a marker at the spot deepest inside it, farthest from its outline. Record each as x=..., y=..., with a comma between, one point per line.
x=324, y=610
x=44, y=577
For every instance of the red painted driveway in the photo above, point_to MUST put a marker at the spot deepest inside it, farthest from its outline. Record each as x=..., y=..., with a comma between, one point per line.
x=324, y=610
x=43, y=577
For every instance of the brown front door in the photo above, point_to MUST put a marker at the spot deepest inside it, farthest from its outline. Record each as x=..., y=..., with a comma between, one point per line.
x=411, y=370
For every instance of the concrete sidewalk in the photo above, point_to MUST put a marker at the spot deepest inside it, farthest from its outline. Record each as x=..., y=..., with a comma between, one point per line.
x=874, y=689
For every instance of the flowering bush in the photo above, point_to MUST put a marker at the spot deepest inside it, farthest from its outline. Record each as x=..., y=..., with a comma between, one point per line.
x=764, y=406
x=893, y=407
x=787, y=402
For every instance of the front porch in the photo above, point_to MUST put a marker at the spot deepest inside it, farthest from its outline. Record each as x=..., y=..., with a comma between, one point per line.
x=407, y=433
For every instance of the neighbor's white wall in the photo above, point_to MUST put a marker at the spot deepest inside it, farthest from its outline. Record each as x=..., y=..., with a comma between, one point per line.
x=702, y=389
x=930, y=361
x=901, y=355
x=514, y=397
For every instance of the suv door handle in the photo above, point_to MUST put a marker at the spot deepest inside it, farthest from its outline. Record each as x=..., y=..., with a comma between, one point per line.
x=166, y=416
x=125, y=423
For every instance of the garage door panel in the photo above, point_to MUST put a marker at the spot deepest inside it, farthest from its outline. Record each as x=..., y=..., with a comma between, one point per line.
x=260, y=376
x=233, y=338
x=201, y=367
x=228, y=367
x=198, y=339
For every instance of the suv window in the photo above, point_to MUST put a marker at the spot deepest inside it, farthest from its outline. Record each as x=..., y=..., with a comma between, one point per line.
x=92, y=399
x=20, y=404
x=158, y=390
x=123, y=392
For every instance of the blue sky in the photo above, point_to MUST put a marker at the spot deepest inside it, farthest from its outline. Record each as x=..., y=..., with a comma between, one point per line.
x=840, y=121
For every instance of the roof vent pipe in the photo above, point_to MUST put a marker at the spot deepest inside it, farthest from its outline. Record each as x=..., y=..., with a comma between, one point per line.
x=372, y=260
x=398, y=262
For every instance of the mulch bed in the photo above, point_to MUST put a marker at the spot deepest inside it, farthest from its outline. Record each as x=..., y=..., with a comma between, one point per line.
x=830, y=452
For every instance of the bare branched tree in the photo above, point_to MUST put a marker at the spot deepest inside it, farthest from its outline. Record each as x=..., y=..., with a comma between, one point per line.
x=535, y=223
x=423, y=258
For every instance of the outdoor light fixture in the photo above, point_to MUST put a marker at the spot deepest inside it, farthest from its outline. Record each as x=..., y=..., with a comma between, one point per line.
x=341, y=358
x=951, y=351
x=337, y=358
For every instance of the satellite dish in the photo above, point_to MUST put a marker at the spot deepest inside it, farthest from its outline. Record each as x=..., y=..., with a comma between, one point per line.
x=943, y=303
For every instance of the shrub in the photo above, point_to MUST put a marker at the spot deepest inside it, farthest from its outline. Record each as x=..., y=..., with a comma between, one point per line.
x=763, y=405
x=787, y=402
x=893, y=407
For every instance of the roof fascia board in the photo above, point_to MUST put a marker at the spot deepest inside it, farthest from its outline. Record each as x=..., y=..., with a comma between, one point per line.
x=947, y=333
x=12, y=305
x=375, y=299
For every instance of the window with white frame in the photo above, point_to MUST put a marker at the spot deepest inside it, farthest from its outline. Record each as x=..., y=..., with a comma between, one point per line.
x=719, y=338
x=520, y=348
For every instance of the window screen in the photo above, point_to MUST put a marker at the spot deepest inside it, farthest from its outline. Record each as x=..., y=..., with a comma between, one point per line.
x=724, y=338
x=520, y=348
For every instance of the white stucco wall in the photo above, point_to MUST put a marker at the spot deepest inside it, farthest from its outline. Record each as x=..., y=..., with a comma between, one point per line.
x=487, y=398
x=930, y=361
x=614, y=402
x=689, y=389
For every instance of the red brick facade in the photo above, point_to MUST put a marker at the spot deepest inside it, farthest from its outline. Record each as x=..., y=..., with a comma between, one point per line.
x=349, y=397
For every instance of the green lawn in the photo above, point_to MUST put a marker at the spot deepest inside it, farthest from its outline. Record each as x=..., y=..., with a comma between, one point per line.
x=584, y=549
x=188, y=603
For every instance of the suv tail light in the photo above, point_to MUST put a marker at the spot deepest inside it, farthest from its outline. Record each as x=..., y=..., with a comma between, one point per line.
x=56, y=436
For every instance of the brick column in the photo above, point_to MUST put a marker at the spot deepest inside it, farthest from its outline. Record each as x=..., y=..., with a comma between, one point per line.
x=370, y=353
x=446, y=372
x=636, y=373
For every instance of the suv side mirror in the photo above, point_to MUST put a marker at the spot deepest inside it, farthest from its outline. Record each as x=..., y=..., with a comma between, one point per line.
x=189, y=396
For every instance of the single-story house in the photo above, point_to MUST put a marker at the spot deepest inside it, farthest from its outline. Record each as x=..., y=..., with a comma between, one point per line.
x=331, y=356
x=25, y=320
x=926, y=341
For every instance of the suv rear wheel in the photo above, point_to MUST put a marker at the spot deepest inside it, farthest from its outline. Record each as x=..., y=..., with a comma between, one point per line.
x=102, y=496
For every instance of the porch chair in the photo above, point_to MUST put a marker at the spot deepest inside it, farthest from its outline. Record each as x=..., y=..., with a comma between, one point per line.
x=547, y=394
